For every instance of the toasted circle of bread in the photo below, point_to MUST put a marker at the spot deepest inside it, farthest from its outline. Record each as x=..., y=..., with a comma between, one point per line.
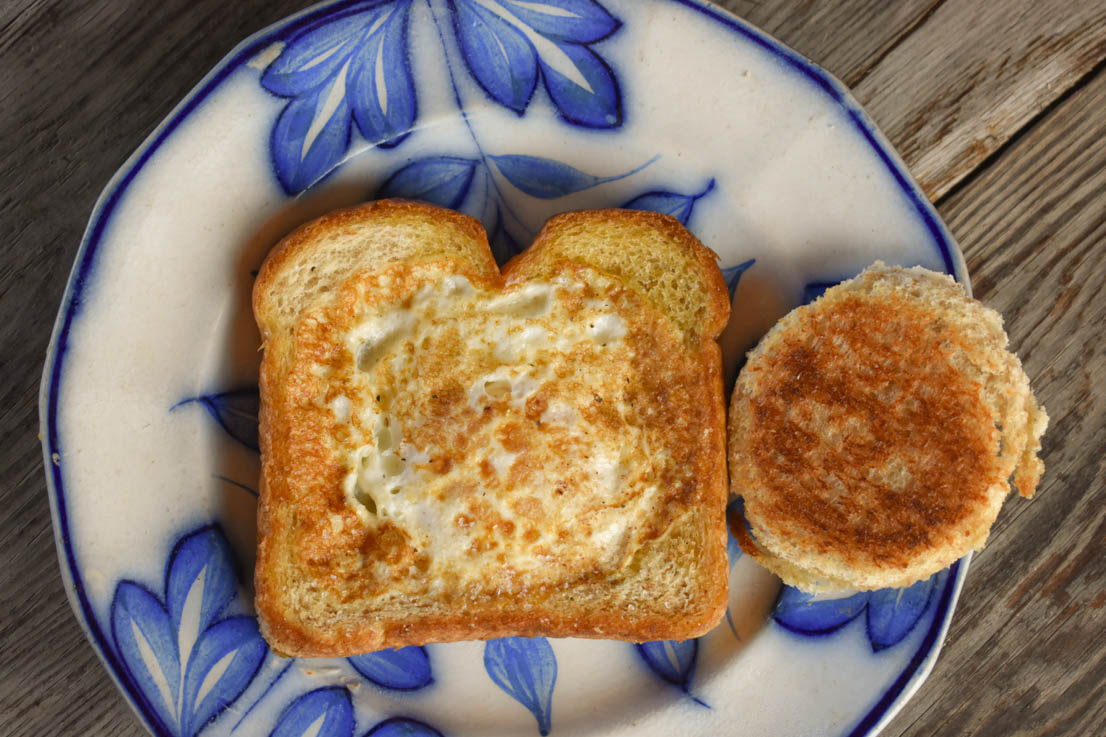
x=873, y=433
x=453, y=453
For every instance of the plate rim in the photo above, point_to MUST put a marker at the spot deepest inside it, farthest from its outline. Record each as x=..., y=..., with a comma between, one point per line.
x=889, y=703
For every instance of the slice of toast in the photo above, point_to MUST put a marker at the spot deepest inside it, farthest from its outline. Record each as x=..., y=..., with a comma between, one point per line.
x=452, y=453
x=873, y=433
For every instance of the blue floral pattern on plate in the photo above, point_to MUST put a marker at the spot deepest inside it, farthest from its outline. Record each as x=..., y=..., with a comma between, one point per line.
x=677, y=205
x=329, y=712
x=402, y=727
x=190, y=659
x=323, y=711
x=334, y=71
x=185, y=646
x=473, y=185
x=324, y=71
x=891, y=613
x=235, y=411
x=507, y=48
x=672, y=660
x=184, y=654
x=354, y=67
x=526, y=669
x=732, y=275
x=405, y=669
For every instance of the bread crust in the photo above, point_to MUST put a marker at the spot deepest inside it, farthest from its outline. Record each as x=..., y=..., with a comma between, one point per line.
x=301, y=242
x=703, y=261
x=297, y=478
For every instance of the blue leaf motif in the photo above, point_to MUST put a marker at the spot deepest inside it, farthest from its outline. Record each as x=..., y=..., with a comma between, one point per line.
x=324, y=712
x=504, y=246
x=505, y=46
x=735, y=515
x=310, y=137
x=235, y=411
x=382, y=90
x=798, y=612
x=527, y=670
x=148, y=646
x=816, y=289
x=543, y=178
x=548, y=179
x=405, y=669
x=732, y=275
x=677, y=205
x=223, y=662
x=186, y=663
x=733, y=550
x=501, y=59
x=672, y=660
x=201, y=580
x=351, y=64
x=402, y=727
x=582, y=21
x=441, y=180
x=315, y=55
x=582, y=86
x=892, y=613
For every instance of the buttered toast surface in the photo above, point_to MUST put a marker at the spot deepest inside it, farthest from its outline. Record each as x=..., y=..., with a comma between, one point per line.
x=874, y=433
x=450, y=452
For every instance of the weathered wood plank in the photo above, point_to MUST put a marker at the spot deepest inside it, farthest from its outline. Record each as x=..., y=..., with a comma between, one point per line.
x=1025, y=654
x=846, y=37
x=973, y=74
x=81, y=84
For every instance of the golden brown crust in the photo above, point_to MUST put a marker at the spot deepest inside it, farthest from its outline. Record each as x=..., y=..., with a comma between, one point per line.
x=289, y=640
x=870, y=522
x=307, y=528
x=865, y=433
x=705, y=271
x=303, y=239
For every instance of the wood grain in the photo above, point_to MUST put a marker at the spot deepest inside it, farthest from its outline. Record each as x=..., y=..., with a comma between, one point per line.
x=973, y=74
x=847, y=37
x=959, y=85
x=81, y=84
x=1025, y=652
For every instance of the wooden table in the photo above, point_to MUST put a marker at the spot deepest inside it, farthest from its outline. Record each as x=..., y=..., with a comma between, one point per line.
x=998, y=107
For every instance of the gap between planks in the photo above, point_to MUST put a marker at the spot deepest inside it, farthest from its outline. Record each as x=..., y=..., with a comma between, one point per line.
x=973, y=74
x=1033, y=223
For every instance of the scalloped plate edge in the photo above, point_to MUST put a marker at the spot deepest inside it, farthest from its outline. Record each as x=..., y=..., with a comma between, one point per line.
x=892, y=700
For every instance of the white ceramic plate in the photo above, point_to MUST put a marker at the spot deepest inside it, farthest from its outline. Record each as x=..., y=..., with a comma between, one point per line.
x=510, y=110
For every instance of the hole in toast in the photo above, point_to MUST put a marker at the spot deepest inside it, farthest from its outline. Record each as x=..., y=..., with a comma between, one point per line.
x=390, y=464
x=382, y=433
x=497, y=388
x=376, y=338
x=371, y=351
x=366, y=501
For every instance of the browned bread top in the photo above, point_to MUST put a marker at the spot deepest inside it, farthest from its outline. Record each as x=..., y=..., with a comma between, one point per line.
x=650, y=252
x=448, y=454
x=873, y=433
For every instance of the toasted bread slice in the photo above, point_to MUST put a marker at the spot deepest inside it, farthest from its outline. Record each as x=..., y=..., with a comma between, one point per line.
x=448, y=454
x=873, y=433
